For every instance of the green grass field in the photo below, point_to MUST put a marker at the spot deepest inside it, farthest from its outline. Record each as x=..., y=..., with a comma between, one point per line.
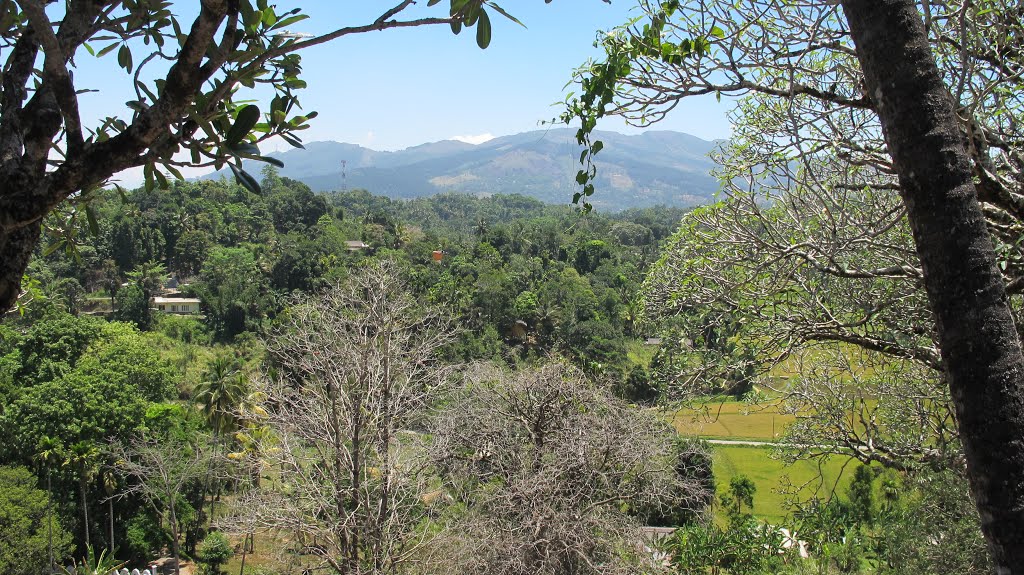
x=732, y=420
x=776, y=482
x=772, y=477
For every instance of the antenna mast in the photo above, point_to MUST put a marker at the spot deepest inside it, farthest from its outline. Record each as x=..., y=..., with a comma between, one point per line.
x=344, y=182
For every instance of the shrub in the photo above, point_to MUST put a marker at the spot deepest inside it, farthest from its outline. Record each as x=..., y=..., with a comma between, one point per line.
x=214, y=551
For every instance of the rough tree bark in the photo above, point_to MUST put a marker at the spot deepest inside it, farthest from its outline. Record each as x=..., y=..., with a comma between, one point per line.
x=976, y=332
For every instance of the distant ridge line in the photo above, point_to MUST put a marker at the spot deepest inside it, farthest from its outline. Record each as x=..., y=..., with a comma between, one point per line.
x=639, y=170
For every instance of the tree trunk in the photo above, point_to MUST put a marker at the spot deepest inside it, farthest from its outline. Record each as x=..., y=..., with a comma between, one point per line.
x=175, y=549
x=49, y=521
x=110, y=508
x=980, y=348
x=207, y=486
x=82, y=486
x=16, y=247
x=245, y=548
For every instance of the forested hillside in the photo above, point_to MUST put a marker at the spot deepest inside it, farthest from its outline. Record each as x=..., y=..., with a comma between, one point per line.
x=102, y=390
x=523, y=278
x=91, y=369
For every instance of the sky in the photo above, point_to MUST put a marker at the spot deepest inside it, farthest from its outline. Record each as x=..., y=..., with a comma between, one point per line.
x=397, y=88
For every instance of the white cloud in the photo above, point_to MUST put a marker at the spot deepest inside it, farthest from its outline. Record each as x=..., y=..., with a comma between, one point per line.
x=478, y=139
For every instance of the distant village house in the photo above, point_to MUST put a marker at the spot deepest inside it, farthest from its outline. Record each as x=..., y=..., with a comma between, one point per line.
x=177, y=305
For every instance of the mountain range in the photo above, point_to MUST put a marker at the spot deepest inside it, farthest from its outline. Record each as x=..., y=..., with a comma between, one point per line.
x=652, y=168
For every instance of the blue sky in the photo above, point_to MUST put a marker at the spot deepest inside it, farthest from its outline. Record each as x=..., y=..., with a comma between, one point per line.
x=398, y=88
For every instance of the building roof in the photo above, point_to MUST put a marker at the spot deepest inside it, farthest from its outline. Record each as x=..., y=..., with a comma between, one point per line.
x=159, y=299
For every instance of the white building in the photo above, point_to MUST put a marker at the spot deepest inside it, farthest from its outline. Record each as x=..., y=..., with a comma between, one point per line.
x=178, y=305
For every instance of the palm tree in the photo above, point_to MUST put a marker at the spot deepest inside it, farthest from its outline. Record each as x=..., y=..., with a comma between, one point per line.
x=49, y=452
x=110, y=486
x=219, y=394
x=631, y=314
x=83, y=456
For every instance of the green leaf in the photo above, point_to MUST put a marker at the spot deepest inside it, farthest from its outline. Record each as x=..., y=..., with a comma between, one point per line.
x=483, y=30
x=245, y=148
x=268, y=160
x=124, y=57
x=94, y=226
x=108, y=49
x=176, y=172
x=245, y=180
x=122, y=194
x=502, y=11
x=289, y=21
x=149, y=93
x=246, y=119
x=269, y=17
x=147, y=173
x=256, y=156
x=470, y=15
x=250, y=18
x=294, y=141
x=53, y=247
x=596, y=147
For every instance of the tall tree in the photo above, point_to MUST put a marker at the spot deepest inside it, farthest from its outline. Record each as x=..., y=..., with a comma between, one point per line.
x=84, y=457
x=359, y=366
x=47, y=155
x=980, y=346
x=219, y=395
x=49, y=452
x=220, y=392
x=159, y=470
x=872, y=118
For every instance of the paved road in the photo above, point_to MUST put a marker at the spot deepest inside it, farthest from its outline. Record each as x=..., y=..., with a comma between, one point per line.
x=755, y=443
x=742, y=442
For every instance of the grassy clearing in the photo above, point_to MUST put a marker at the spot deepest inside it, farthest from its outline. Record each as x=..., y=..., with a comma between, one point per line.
x=639, y=353
x=776, y=482
x=273, y=553
x=732, y=420
x=772, y=477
